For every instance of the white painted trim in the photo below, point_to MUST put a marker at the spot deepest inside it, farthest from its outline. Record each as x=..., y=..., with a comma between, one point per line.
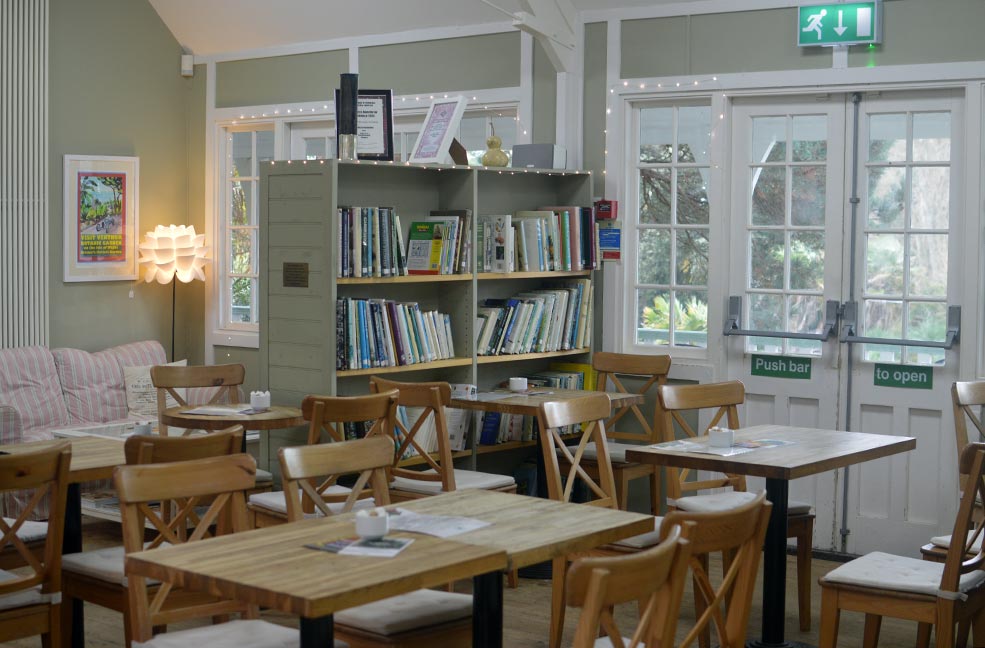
x=525, y=110
x=971, y=360
x=371, y=40
x=211, y=224
x=683, y=9
x=613, y=273
x=354, y=59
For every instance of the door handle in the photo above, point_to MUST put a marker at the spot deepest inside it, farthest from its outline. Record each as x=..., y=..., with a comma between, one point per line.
x=733, y=323
x=850, y=322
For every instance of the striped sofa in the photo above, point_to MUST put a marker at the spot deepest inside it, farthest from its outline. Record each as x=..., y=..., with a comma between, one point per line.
x=42, y=389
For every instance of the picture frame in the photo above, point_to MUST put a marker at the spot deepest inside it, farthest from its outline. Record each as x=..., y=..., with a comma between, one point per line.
x=101, y=200
x=374, y=124
x=438, y=131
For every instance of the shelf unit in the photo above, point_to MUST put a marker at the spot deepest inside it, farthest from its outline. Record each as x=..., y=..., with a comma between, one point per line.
x=298, y=225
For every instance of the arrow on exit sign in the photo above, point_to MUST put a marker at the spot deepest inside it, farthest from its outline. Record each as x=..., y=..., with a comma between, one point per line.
x=849, y=23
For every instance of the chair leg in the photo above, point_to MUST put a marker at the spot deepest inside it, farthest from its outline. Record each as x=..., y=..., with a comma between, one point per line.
x=558, y=575
x=65, y=620
x=53, y=638
x=923, y=635
x=830, y=618
x=978, y=629
x=944, y=628
x=622, y=488
x=655, y=491
x=804, y=582
x=964, y=630
x=870, y=637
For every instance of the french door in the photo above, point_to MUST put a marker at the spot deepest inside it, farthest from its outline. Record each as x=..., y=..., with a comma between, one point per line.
x=828, y=279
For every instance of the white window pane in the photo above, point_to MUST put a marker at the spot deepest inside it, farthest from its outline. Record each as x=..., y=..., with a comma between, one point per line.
x=810, y=138
x=653, y=316
x=241, y=211
x=691, y=318
x=241, y=154
x=694, y=134
x=265, y=146
x=505, y=128
x=932, y=137
x=887, y=138
x=472, y=133
x=242, y=251
x=242, y=294
x=654, y=257
x=656, y=135
x=769, y=139
x=930, y=197
x=314, y=148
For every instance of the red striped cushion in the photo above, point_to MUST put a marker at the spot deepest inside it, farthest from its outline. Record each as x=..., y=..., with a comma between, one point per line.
x=140, y=354
x=92, y=384
x=29, y=384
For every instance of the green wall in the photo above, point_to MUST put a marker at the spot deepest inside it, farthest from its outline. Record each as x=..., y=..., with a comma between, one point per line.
x=279, y=79
x=545, y=98
x=593, y=108
x=115, y=89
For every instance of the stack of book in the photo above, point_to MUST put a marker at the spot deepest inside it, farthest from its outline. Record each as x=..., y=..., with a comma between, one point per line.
x=440, y=243
x=370, y=243
x=382, y=333
x=561, y=239
x=537, y=321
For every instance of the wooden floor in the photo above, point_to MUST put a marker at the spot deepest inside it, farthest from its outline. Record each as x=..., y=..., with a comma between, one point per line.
x=526, y=613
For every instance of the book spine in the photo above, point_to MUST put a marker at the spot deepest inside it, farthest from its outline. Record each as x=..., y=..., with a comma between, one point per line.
x=384, y=241
x=377, y=247
x=448, y=337
x=367, y=262
x=565, y=239
x=340, y=326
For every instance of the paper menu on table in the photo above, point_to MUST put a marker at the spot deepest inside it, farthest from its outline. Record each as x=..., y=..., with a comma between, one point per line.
x=377, y=547
x=441, y=526
x=220, y=410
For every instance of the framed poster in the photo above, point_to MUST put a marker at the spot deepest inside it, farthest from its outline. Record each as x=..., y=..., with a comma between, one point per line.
x=438, y=131
x=100, y=196
x=374, y=124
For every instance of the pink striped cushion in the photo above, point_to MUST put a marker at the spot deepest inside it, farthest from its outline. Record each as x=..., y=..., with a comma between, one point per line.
x=29, y=384
x=140, y=354
x=92, y=384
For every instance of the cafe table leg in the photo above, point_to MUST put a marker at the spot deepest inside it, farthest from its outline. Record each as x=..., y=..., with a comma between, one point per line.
x=72, y=543
x=317, y=632
x=487, y=610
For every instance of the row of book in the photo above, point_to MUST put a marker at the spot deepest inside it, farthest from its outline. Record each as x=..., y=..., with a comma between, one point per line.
x=545, y=240
x=440, y=243
x=383, y=333
x=536, y=321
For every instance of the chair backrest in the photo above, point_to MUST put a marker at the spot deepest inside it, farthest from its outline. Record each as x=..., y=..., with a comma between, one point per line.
x=591, y=411
x=162, y=449
x=739, y=533
x=169, y=379
x=654, y=577
x=219, y=480
x=428, y=401
x=302, y=466
x=652, y=368
x=968, y=398
x=725, y=397
x=963, y=558
x=46, y=473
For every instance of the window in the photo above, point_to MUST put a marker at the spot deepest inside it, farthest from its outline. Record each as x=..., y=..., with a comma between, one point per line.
x=671, y=155
x=476, y=126
x=245, y=150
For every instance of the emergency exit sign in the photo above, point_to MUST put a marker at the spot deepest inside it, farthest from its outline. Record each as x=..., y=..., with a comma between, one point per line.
x=850, y=23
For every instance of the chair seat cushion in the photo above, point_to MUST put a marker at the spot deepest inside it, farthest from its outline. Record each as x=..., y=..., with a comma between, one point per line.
x=605, y=642
x=30, y=531
x=30, y=596
x=103, y=564
x=406, y=612
x=464, y=480
x=944, y=542
x=235, y=634
x=796, y=507
x=264, y=476
x=276, y=501
x=898, y=573
x=643, y=540
x=717, y=502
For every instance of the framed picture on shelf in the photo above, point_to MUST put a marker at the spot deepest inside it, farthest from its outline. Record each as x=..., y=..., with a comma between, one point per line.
x=439, y=129
x=374, y=124
x=100, y=202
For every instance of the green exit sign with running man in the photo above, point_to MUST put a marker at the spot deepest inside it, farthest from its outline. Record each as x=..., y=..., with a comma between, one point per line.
x=849, y=23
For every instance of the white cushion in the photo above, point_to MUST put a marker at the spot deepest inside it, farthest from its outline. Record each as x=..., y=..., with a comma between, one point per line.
x=464, y=480
x=141, y=392
x=234, y=634
x=31, y=596
x=718, y=502
x=617, y=451
x=605, y=642
x=644, y=540
x=945, y=542
x=277, y=502
x=30, y=531
x=796, y=507
x=398, y=614
x=103, y=564
x=899, y=573
x=263, y=476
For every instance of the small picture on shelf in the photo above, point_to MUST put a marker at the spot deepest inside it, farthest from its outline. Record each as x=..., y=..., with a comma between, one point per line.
x=440, y=125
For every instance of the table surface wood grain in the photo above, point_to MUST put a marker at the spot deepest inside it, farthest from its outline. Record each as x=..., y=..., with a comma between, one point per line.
x=811, y=451
x=93, y=457
x=275, y=418
x=528, y=404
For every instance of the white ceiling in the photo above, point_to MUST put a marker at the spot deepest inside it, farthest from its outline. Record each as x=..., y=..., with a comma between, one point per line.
x=207, y=27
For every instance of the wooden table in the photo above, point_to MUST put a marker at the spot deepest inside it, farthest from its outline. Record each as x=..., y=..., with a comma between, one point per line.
x=270, y=567
x=93, y=458
x=274, y=418
x=811, y=452
x=529, y=404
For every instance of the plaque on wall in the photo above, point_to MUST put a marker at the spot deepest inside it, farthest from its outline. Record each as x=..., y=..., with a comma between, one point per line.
x=295, y=275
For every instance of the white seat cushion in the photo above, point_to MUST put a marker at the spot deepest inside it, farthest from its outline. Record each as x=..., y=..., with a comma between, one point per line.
x=464, y=480
x=103, y=564
x=944, y=542
x=899, y=573
x=796, y=507
x=32, y=596
x=235, y=634
x=644, y=540
x=718, y=502
x=605, y=642
x=617, y=451
x=264, y=476
x=398, y=614
x=276, y=502
x=30, y=531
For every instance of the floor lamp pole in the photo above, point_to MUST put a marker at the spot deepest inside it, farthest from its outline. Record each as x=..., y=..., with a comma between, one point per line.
x=174, y=289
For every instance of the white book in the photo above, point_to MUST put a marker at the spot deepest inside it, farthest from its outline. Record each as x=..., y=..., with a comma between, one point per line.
x=516, y=334
x=534, y=326
x=492, y=316
x=374, y=215
x=399, y=237
x=357, y=243
x=448, y=335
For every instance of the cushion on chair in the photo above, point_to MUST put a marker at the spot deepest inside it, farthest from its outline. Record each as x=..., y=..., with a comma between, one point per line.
x=643, y=540
x=103, y=564
x=886, y=571
x=605, y=642
x=945, y=542
x=796, y=507
x=464, y=480
x=277, y=502
x=264, y=476
x=31, y=596
x=397, y=614
x=30, y=531
x=714, y=502
x=252, y=633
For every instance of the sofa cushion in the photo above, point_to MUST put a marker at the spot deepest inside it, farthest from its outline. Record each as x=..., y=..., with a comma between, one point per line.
x=29, y=384
x=141, y=394
x=410, y=611
x=92, y=385
x=139, y=354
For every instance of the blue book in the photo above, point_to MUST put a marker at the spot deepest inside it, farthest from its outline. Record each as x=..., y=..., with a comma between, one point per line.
x=363, y=336
x=490, y=428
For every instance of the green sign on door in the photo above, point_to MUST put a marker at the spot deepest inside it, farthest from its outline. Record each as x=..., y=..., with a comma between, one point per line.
x=781, y=367
x=888, y=375
x=851, y=23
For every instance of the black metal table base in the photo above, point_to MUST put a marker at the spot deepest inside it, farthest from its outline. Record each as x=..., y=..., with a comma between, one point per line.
x=487, y=610
x=783, y=644
x=72, y=543
x=318, y=632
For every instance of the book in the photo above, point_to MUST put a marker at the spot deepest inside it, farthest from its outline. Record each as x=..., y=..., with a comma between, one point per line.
x=499, y=253
x=424, y=248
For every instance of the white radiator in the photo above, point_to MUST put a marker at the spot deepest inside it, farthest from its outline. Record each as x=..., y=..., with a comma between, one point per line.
x=23, y=172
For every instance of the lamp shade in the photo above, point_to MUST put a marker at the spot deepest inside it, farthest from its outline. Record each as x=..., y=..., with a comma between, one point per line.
x=175, y=251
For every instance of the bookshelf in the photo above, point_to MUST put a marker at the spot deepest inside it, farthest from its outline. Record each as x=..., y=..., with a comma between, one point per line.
x=299, y=227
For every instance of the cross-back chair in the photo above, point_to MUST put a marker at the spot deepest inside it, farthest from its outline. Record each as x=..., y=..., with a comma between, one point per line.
x=221, y=481
x=98, y=576
x=723, y=399
x=30, y=600
x=171, y=380
x=737, y=533
x=938, y=595
x=424, y=405
x=613, y=369
x=654, y=577
x=563, y=469
x=327, y=418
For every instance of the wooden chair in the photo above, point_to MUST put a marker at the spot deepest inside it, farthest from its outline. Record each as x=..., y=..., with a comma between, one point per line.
x=591, y=412
x=169, y=380
x=221, y=481
x=415, y=620
x=737, y=533
x=425, y=403
x=937, y=595
x=30, y=600
x=653, y=370
x=654, y=577
x=328, y=417
x=725, y=397
x=98, y=576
